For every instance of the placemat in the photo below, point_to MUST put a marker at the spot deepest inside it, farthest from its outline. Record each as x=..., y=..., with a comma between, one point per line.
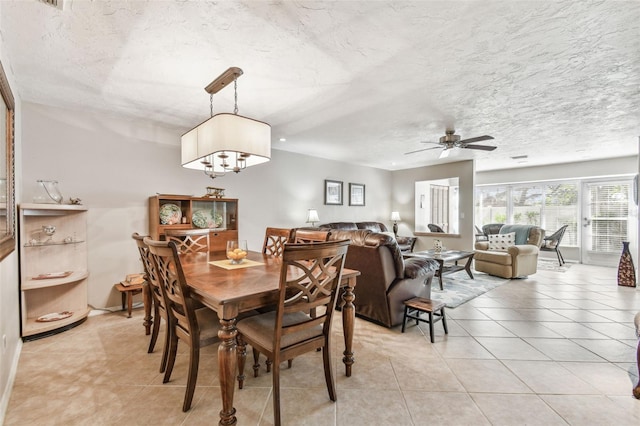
x=226, y=264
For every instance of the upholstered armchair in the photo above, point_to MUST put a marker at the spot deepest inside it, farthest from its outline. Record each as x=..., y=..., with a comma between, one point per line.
x=518, y=258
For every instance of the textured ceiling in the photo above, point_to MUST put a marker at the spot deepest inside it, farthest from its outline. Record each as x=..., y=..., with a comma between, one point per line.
x=356, y=81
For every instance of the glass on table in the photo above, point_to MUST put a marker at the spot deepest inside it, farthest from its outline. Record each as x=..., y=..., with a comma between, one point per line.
x=236, y=251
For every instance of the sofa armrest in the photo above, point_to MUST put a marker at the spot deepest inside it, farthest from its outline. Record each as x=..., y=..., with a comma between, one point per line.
x=482, y=245
x=415, y=267
x=523, y=250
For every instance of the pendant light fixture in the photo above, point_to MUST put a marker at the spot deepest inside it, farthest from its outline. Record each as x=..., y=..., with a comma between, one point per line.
x=226, y=142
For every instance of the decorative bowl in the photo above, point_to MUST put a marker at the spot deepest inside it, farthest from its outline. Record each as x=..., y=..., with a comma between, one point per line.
x=170, y=214
x=206, y=219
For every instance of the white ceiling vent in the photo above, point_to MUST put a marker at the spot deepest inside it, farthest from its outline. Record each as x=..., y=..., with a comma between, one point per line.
x=55, y=3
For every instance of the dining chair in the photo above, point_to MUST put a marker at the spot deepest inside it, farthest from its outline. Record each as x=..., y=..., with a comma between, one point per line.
x=275, y=239
x=159, y=307
x=195, y=327
x=302, y=235
x=552, y=243
x=434, y=228
x=309, y=278
x=189, y=240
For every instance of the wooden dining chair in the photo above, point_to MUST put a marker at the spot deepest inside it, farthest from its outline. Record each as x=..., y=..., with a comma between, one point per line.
x=309, y=278
x=159, y=307
x=275, y=239
x=302, y=235
x=189, y=240
x=195, y=327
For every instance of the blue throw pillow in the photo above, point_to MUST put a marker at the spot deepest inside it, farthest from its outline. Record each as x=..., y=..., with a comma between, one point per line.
x=522, y=232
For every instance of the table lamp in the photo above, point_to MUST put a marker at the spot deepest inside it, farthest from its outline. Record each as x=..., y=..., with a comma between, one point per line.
x=312, y=217
x=395, y=217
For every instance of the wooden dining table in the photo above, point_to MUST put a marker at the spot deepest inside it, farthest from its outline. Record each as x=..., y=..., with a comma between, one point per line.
x=231, y=292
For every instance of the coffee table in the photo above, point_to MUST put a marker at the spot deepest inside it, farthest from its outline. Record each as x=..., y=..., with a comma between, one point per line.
x=451, y=257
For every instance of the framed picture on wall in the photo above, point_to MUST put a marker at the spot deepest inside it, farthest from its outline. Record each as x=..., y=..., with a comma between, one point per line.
x=333, y=192
x=356, y=194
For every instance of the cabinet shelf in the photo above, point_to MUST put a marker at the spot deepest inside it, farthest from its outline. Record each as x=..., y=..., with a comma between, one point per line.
x=42, y=290
x=30, y=283
x=219, y=214
x=53, y=243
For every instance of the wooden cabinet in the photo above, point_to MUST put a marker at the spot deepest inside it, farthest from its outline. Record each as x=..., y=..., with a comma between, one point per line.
x=220, y=215
x=53, y=267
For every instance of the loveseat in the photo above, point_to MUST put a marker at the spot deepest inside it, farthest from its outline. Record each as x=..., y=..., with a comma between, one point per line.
x=517, y=259
x=387, y=279
x=406, y=244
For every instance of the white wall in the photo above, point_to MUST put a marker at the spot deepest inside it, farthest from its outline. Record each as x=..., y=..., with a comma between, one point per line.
x=114, y=164
x=403, y=201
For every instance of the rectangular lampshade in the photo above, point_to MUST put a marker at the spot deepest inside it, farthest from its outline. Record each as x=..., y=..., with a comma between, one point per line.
x=228, y=133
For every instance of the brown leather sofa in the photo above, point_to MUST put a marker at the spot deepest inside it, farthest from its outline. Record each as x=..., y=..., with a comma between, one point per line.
x=406, y=244
x=518, y=260
x=387, y=279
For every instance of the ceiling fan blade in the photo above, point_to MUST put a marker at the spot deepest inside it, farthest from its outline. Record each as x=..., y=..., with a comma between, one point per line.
x=435, y=143
x=420, y=150
x=476, y=139
x=482, y=147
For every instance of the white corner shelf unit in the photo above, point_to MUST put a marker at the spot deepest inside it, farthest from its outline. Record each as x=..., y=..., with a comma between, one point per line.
x=53, y=268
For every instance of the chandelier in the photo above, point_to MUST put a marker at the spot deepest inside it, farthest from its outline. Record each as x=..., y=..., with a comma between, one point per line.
x=226, y=142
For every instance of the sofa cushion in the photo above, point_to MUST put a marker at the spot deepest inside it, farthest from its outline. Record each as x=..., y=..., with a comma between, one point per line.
x=373, y=226
x=346, y=226
x=501, y=242
x=487, y=257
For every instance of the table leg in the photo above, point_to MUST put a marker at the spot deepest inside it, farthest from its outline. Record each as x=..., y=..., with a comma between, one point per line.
x=148, y=302
x=439, y=272
x=348, y=321
x=467, y=267
x=227, y=365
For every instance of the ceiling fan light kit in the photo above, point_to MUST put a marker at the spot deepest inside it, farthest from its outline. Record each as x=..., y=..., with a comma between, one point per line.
x=451, y=140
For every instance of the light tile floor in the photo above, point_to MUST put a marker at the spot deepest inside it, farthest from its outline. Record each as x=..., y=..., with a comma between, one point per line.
x=553, y=349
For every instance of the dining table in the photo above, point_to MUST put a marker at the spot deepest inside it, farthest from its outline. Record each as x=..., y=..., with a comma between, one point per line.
x=231, y=290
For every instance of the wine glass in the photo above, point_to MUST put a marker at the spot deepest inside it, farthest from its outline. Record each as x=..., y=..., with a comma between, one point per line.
x=236, y=251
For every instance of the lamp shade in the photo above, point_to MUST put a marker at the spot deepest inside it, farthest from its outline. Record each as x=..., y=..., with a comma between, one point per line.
x=234, y=136
x=312, y=216
x=395, y=216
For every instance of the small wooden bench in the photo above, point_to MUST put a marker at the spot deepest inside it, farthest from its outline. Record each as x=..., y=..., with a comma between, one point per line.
x=127, y=295
x=414, y=307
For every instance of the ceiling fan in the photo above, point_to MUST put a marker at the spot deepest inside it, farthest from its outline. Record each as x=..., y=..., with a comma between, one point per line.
x=451, y=140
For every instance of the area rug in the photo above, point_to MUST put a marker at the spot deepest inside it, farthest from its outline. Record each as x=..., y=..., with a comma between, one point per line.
x=459, y=288
x=552, y=265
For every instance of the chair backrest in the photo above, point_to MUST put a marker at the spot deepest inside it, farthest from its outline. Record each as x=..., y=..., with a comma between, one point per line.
x=556, y=238
x=309, y=278
x=166, y=266
x=150, y=272
x=434, y=228
x=301, y=236
x=491, y=228
x=275, y=239
x=189, y=240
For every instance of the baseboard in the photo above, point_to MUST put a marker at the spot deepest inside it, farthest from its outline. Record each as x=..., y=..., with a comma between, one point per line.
x=6, y=393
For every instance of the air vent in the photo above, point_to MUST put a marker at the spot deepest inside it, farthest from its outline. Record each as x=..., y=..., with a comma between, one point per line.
x=55, y=3
x=519, y=157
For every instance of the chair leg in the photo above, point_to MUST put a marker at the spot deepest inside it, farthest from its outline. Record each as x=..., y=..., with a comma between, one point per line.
x=444, y=321
x=167, y=344
x=194, y=360
x=155, y=331
x=560, y=257
x=328, y=376
x=404, y=318
x=173, y=349
x=256, y=362
x=431, y=326
x=268, y=363
x=276, y=392
x=241, y=355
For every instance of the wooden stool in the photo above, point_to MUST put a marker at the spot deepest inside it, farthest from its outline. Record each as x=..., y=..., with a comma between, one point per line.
x=431, y=307
x=127, y=295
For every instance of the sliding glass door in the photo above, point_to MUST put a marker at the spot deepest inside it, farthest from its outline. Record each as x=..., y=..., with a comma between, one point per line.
x=609, y=218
